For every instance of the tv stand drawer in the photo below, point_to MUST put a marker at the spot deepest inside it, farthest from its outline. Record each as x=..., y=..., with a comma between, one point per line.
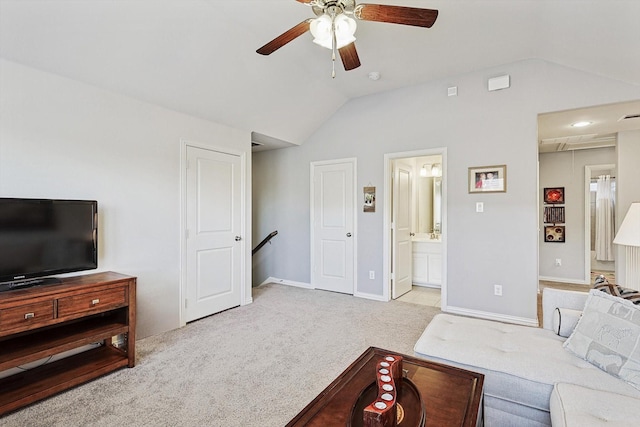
x=92, y=302
x=28, y=316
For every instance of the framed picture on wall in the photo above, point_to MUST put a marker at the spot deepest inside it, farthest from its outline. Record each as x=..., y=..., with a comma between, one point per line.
x=369, y=199
x=554, y=196
x=554, y=214
x=554, y=233
x=488, y=179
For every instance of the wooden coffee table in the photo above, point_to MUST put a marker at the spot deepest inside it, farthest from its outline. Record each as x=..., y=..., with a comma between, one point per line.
x=451, y=396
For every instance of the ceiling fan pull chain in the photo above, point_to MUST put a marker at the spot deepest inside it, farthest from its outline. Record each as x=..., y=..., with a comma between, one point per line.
x=333, y=45
x=333, y=67
x=333, y=58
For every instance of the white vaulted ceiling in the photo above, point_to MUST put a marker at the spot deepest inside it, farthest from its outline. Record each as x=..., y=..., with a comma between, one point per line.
x=198, y=56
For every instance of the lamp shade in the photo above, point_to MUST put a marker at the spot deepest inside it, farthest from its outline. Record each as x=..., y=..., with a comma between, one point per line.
x=321, y=30
x=629, y=232
x=345, y=29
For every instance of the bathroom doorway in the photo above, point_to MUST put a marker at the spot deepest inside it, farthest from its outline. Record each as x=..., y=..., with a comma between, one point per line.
x=416, y=206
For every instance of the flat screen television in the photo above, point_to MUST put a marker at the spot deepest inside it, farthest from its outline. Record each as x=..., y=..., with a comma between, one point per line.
x=43, y=237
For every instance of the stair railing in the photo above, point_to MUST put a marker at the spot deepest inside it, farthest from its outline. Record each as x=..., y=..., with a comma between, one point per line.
x=264, y=242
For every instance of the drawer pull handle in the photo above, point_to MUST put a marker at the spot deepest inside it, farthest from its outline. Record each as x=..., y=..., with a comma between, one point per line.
x=95, y=301
x=29, y=315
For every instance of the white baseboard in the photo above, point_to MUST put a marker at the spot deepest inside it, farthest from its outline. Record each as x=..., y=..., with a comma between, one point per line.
x=309, y=286
x=563, y=280
x=491, y=316
x=366, y=295
x=287, y=282
x=427, y=285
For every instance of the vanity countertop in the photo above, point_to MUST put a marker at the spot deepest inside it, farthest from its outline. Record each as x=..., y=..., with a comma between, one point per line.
x=425, y=238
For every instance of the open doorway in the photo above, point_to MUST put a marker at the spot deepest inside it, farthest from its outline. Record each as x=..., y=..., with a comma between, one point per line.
x=414, y=239
x=577, y=153
x=600, y=207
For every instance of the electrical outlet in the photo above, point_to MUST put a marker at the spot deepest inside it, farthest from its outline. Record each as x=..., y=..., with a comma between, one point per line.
x=497, y=290
x=558, y=262
x=372, y=274
x=479, y=207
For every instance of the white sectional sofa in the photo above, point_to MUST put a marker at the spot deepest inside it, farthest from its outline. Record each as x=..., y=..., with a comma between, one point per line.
x=530, y=378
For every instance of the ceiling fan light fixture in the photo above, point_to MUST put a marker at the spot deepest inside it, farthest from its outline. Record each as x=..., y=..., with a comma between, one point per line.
x=322, y=30
x=345, y=29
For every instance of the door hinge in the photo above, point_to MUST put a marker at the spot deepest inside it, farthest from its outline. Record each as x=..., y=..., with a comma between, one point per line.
x=393, y=276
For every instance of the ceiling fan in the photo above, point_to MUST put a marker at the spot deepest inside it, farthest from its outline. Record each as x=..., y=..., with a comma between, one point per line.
x=335, y=26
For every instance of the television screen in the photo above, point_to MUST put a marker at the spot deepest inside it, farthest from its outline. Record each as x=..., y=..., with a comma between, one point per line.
x=41, y=237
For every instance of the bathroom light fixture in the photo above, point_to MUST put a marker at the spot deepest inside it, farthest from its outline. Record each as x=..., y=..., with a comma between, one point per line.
x=423, y=171
x=581, y=124
x=435, y=170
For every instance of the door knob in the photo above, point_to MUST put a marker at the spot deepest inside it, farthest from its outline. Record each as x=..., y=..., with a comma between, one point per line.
x=238, y=238
x=412, y=234
x=348, y=234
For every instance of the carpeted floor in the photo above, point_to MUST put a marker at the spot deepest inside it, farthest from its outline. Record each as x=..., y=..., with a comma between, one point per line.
x=256, y=365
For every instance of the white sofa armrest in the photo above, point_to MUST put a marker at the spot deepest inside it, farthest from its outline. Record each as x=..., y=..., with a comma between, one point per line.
x=558, y=298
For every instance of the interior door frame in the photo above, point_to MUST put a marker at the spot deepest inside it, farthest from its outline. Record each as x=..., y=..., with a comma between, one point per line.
x=386, y=221
x=588, y=170
x=245, y=294
x=312, y=236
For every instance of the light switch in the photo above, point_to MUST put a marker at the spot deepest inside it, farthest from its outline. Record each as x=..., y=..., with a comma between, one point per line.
x=479, y=207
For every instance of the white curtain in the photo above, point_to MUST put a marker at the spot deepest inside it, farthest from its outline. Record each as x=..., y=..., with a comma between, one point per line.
x=604, y=219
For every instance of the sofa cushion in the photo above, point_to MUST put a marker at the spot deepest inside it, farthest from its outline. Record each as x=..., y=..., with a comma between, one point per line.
x=576, y=406
x=608, y=335
x=565, y=321
x=520, y=363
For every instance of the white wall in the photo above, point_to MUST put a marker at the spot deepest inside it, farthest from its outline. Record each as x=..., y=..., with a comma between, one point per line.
x=478, y=128
x=63, y=139
x=566, y=169
x=627, y=188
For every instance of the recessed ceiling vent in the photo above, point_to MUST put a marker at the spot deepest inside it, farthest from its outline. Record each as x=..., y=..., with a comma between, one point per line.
x=630, y=116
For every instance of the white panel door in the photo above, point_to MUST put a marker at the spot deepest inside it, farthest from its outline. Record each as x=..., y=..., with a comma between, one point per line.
x=213, y=258
x=332, y=216
x=401, y=266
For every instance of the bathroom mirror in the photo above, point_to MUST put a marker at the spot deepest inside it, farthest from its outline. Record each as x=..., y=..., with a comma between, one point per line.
x=437, y=205
x=429, y=206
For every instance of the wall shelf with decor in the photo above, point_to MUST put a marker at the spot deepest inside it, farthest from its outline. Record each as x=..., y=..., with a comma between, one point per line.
x=554, y=215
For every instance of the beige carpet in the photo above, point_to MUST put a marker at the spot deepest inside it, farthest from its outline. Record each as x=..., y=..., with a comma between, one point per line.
x=256, y=365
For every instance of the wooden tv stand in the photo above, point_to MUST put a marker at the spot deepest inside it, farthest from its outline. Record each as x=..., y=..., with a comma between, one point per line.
x=42, y=322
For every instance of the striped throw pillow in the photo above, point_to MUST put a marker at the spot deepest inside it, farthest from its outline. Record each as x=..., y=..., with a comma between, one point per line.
x=619, y=291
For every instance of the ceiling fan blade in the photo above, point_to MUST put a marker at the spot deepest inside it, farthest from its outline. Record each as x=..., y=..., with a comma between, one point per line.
x=285, y=38
x=396, y=14
x=349, y=57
